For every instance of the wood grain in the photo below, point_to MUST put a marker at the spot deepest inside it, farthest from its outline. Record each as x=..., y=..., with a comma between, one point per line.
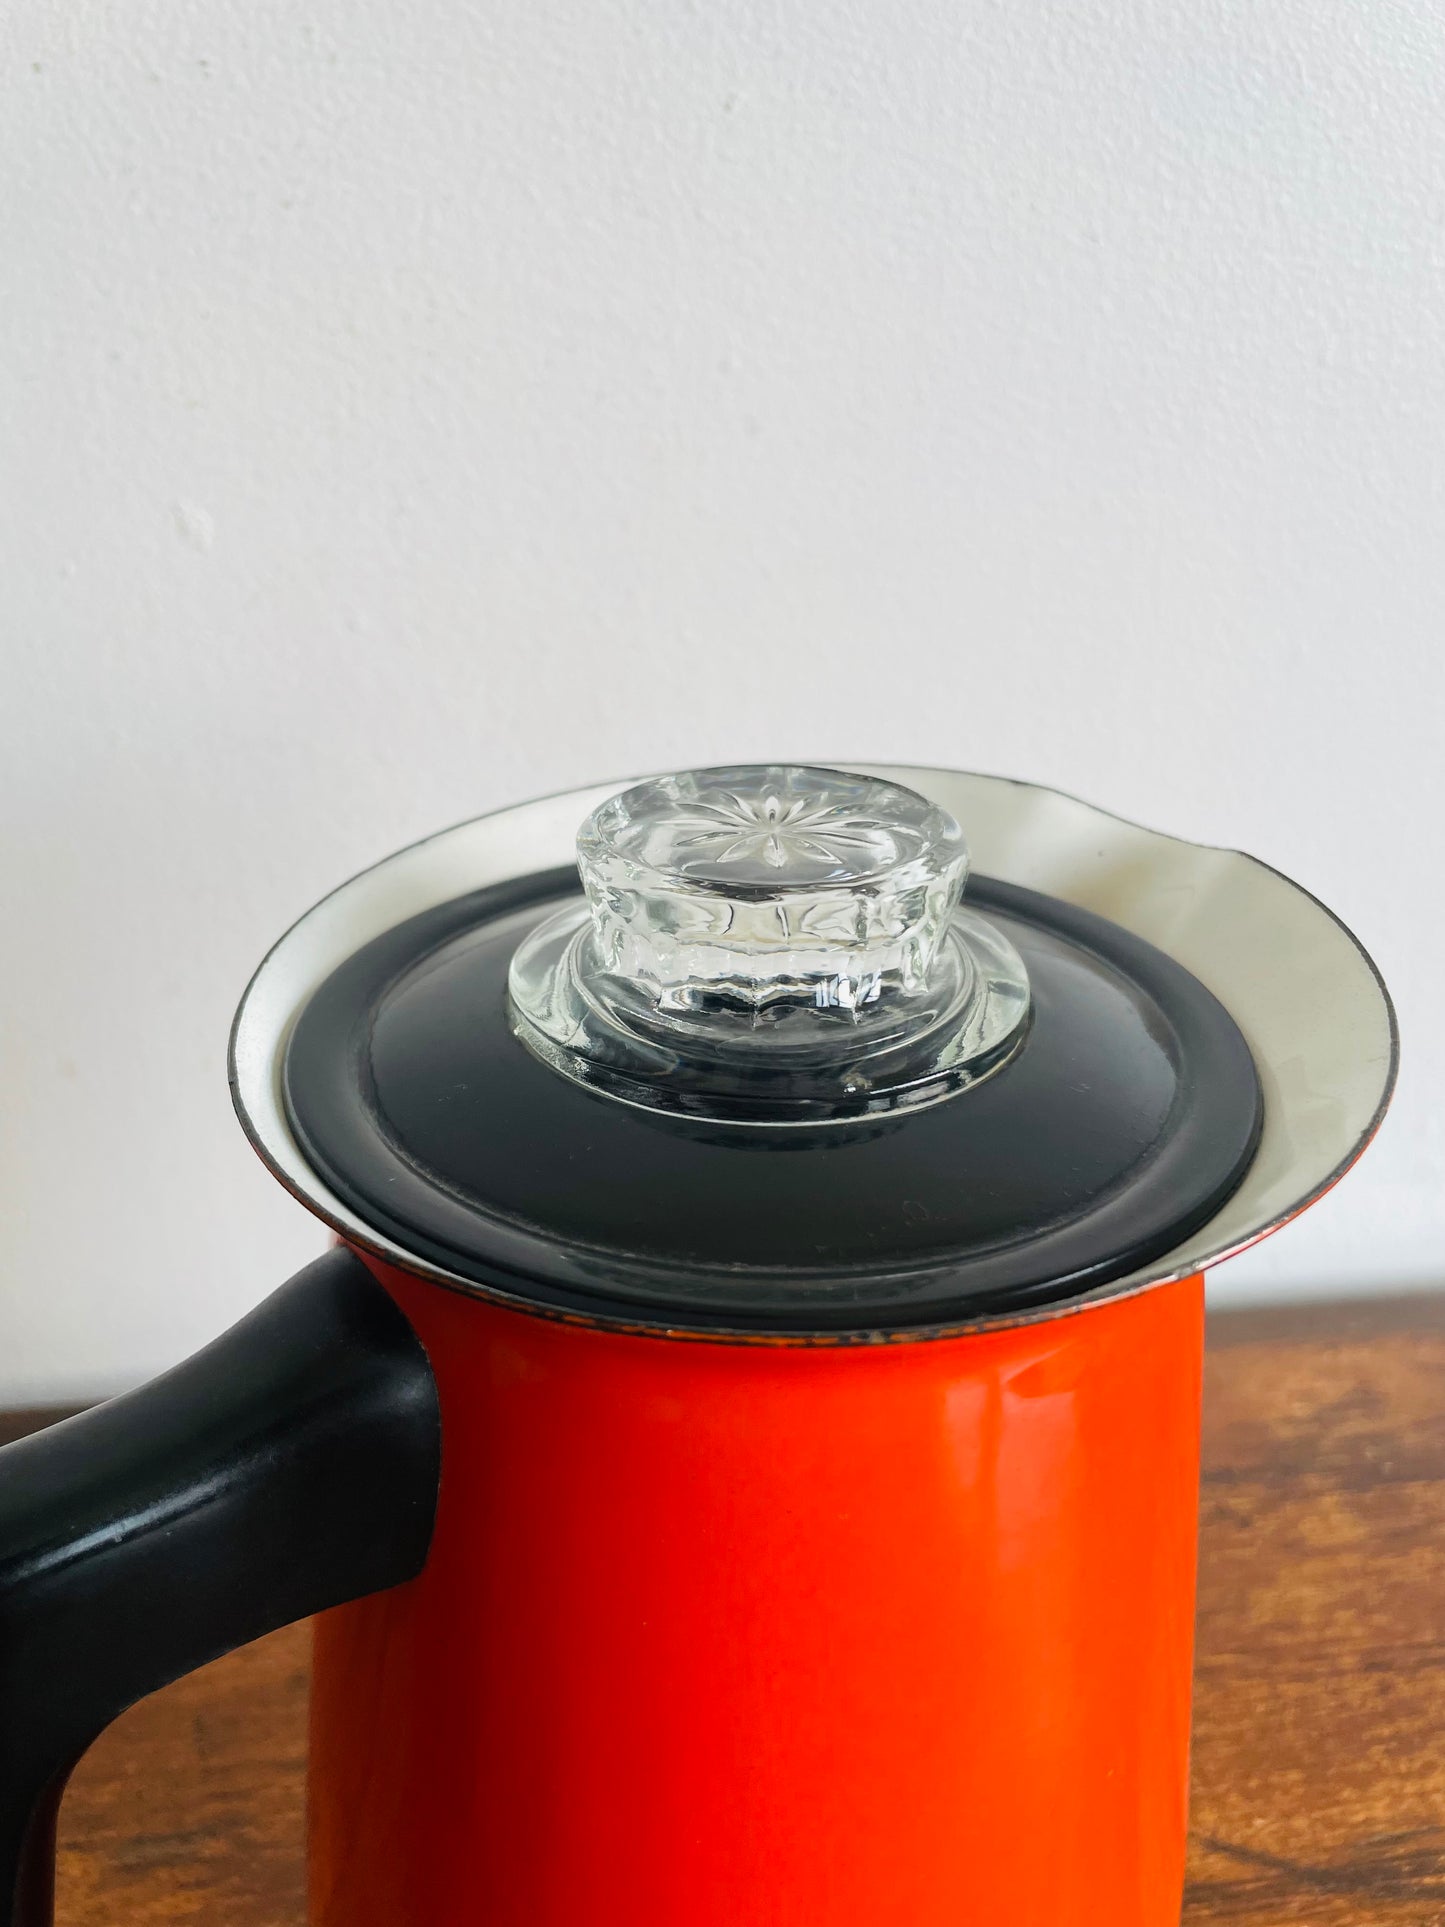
x=1319, y=1752
x=1319, y=1760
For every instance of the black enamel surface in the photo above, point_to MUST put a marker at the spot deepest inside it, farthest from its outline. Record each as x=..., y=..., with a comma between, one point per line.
x=1126, y=1119
x=1124, y=1122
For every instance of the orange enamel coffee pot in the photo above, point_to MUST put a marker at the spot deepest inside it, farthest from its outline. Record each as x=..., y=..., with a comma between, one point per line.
x=743, y=1446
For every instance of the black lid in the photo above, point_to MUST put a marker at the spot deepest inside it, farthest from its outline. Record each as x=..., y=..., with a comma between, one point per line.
x=1126, y=1114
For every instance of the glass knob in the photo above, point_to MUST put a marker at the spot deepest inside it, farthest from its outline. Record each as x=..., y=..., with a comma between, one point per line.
x=766, y=885
x=770, y=943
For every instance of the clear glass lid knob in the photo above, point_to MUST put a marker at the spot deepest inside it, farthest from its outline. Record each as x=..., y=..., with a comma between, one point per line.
x=770, y=943
x=754, y=887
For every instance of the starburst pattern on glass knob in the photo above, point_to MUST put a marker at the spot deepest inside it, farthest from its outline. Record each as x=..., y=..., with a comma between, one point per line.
x=770, y=943
x=727, y=828
x=771, y=883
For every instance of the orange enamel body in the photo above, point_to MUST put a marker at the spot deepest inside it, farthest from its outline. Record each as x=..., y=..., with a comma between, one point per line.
x=772, y=1635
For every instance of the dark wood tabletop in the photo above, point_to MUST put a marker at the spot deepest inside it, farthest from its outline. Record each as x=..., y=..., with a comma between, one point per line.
x=1319, y=1755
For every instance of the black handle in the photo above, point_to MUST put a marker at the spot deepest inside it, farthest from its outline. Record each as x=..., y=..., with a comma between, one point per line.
x=289, y=1466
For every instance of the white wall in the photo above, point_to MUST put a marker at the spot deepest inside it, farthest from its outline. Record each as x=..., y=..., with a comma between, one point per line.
x=407, y=409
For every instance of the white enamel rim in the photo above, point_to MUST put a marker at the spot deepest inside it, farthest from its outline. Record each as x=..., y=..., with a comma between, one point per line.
x=1300, y=986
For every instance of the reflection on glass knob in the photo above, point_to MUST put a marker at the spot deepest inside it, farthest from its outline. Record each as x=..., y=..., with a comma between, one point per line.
x=770, y=944
x=765, y=885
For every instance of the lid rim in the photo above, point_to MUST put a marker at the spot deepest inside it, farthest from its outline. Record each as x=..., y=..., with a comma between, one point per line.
x=511, y=837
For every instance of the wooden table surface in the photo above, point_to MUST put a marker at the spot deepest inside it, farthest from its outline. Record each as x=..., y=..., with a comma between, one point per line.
x=1319, y=1757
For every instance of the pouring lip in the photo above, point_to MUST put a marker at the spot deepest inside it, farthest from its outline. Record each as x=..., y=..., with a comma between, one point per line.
x=1309, y=1142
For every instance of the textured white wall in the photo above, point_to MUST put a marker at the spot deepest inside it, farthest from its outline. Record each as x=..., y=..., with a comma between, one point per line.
x=408, y=409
